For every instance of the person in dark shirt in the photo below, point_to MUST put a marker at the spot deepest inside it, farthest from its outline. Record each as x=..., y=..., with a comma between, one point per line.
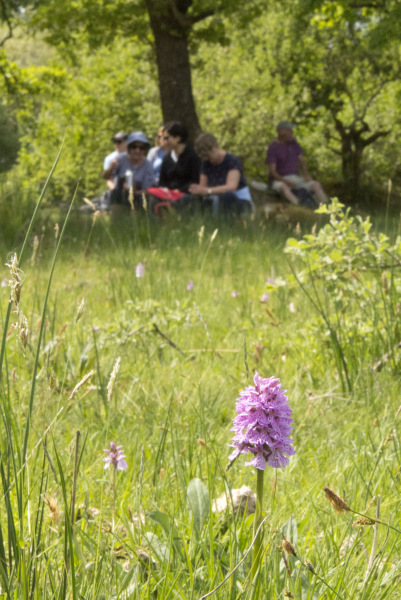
x=222, y=177
x=181, y=165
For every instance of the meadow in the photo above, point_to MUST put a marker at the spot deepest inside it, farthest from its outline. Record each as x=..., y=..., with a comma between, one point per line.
x=97, y=350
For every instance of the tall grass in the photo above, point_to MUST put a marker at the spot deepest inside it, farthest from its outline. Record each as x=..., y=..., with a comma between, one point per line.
x=174, y=397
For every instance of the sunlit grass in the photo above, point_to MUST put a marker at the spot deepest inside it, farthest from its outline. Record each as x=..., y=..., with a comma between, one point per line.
x=184, y=356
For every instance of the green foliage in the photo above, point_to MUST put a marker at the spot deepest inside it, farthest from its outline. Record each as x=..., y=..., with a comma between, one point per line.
x=351, y=277
x=172, y=409
x=315, y=63
x=102, y=96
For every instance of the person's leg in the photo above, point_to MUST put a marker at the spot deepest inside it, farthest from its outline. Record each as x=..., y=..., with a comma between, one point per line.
x=314, y=187
x=285, y=190
x=187, y=203
x=229, y=204
x=318, y=190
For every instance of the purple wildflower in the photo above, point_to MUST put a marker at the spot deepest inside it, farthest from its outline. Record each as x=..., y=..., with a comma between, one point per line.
x=140, y=270
x=265, y=298
x=190, y=285
x=4, y=282
x=115, y=456
x=234, y=293
x=270, y=281
x=95, y=328
x=263, y=424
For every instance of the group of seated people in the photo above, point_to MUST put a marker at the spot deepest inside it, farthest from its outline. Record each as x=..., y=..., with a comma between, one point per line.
x=175, y=174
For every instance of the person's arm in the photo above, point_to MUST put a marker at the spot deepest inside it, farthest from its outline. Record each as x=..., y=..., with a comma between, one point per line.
x=163, y=178
x=303, y=168
x=107, y=173
x=276, y=176
x=231, y=185
x=195, y=168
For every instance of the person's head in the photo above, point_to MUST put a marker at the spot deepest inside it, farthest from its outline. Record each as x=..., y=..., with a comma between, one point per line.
x=137, y=146
x=175, y=133
x=206, y=147
x=120, y=141
x=159, y=136
x=285, y=131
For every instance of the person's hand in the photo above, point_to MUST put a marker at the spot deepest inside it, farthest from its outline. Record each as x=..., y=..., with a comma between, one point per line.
x=195, y=188
x=308, y=178
x=114, y=164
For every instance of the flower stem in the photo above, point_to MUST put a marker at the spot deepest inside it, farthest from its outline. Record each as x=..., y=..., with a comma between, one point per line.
x=320, y=578
x=257, y=549
x=114, y=496
x=375, y=520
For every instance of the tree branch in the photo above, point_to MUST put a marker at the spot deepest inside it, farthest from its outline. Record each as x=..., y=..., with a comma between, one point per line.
x=185, y=21
x=374, y=137
x=6, y=18
x=373, y=96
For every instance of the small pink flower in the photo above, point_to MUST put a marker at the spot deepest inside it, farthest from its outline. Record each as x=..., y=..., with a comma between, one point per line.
x=270, y=281
x=140, y=270
x=115, y=457
x=234, y=293
x=4, y=283
x=95, y=328
x=265, y=298
x=190, y=285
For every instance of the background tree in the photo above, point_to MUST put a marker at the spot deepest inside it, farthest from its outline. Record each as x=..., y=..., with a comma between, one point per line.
x=175, y=26
x=348, y=59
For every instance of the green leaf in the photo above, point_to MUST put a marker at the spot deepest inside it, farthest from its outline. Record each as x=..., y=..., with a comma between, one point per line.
x=160, y=518
x=198, y=498
x=160, y=549
x=336, y=255
x=170, y=529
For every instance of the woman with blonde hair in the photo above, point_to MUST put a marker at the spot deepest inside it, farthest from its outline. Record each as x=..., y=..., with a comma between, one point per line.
x=222, y=178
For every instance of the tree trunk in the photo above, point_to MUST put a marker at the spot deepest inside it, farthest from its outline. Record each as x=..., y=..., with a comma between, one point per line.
x=174, y=69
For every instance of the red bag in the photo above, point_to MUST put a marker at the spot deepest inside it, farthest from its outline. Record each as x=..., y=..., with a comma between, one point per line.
x=165, y=193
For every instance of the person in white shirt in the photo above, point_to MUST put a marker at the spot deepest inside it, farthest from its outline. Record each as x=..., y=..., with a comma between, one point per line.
x=120, y=147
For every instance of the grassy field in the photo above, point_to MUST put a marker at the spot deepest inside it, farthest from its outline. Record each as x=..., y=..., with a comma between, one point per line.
x=178, y=344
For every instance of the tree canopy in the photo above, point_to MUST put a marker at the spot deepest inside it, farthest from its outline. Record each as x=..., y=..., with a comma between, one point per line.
x=230, y=67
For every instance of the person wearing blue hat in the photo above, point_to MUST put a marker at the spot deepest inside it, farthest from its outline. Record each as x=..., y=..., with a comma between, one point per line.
x=288, y=172
x=133, y=171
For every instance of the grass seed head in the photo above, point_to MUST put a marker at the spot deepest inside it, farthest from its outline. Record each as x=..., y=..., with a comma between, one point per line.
x=16, y=280
x=309, y=566
x=363, y=521
x=338, y=503
x=288, y=547
x=81, y=383
x=23, y=331
x=112, y=380
x=54, y=508
x=80, y=310
x=213, y=236
x=35, y=248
